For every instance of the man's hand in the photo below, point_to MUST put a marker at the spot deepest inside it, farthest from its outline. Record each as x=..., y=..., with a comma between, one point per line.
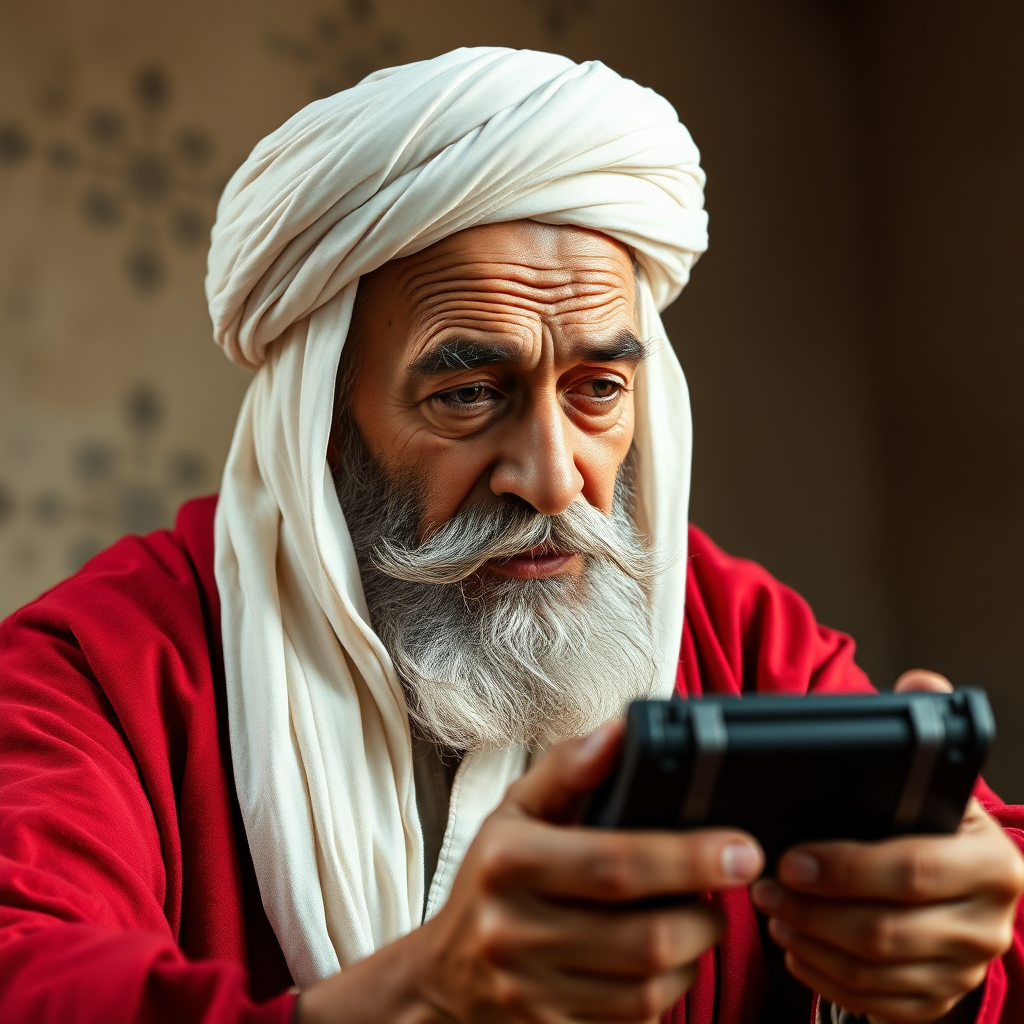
x=543, y=923
x=900, y=930
x=546, y=921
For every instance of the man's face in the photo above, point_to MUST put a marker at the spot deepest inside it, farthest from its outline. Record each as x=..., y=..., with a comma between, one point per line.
x=500, y=362
x=480, y=455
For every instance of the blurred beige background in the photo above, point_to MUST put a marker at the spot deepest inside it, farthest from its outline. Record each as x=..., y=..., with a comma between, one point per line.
x=852, y=338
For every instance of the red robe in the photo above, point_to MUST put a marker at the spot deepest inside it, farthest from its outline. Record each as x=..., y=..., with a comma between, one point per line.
x=126, y=887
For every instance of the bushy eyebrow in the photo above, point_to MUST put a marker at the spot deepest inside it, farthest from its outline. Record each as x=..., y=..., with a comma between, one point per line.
x=461, y=354
x=464, y=354
x=625, y=347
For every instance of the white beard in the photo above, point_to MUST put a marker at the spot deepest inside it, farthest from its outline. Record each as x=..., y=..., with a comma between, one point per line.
x=490, y=661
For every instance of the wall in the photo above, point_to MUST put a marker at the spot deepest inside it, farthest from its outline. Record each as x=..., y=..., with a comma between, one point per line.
x=943, y=95
x=849, y=338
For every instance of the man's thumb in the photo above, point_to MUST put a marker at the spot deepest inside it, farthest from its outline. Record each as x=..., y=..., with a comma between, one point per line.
x=553, y=790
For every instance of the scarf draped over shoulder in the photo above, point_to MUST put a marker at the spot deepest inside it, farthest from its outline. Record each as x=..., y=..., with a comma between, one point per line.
x=320, y=738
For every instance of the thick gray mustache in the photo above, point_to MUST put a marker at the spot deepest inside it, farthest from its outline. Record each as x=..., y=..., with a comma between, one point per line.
x=463, y=545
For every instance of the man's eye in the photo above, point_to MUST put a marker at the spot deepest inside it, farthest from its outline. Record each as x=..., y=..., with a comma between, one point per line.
x=601, y=388
x=471, y=394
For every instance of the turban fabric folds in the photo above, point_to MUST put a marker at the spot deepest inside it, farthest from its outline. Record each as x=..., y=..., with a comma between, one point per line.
x=320, y=738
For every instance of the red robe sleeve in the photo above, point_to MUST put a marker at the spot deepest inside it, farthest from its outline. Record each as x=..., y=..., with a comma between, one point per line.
x=745, y=632
x=112, y=792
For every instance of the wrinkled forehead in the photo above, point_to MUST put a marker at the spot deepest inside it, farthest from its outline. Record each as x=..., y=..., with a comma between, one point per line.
x=508, y=274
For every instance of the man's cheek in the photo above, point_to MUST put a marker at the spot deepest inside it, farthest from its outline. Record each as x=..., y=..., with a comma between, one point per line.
x=599, y=461
x=458, y=484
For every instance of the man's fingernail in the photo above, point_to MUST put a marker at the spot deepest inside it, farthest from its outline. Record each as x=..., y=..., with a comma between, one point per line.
x=799, y=869
x=740, y=861
x=781, y=932
x=767, y=895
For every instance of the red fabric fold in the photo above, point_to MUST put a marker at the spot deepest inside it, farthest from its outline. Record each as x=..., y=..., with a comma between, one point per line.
x=76, y=972
x=122, y=895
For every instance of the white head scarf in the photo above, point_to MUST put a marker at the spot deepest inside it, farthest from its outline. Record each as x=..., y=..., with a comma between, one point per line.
x=320, y=738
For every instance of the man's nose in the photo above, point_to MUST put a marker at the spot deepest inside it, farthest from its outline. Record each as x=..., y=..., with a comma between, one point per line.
x=538, y=460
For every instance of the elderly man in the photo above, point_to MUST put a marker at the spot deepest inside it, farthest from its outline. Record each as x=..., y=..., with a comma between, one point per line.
x=338, y=731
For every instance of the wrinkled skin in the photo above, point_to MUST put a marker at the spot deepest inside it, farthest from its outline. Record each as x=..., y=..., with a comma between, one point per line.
x=542, y=923
x=544, y=412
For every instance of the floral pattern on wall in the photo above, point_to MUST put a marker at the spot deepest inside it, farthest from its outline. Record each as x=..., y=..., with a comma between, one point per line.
x=131, y=482
x=339, y=45
x=137, y=170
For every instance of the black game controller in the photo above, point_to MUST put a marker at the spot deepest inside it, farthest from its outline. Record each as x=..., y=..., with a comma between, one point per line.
x=798, y=769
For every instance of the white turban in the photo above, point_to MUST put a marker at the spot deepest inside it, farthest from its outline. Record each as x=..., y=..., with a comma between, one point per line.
x=320, y=738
